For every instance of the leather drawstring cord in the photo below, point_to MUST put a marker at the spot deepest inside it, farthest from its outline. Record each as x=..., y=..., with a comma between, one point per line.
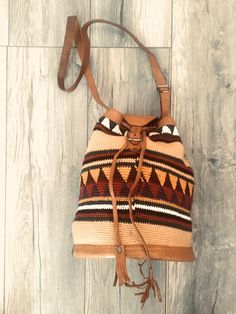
x=121, y=270
x=121, y=273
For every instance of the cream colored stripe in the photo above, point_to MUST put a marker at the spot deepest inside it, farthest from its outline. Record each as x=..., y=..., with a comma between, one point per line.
x=158, y=209
x=169, y=167
x=132, y=160
x=102, y=232
x=108, y=161
x=141, y=198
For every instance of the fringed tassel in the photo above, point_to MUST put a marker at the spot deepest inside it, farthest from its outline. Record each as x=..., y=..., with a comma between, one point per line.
x=121, y=273
x=122, y=277
x=150, y=283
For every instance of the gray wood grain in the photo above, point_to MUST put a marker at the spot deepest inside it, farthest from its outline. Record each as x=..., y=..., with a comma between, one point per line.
x=45, y=150
x=42, y=23
x=4, y=22
x=149, y=20
x=203, y=80
x=125, y=82
x=124, y=78
x=3, y=65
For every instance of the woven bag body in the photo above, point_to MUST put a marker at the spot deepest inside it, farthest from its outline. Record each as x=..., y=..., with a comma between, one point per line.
x=161, y=204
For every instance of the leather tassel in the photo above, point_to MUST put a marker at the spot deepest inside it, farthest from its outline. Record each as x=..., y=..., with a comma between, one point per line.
x=151, y=283
x=121, y=273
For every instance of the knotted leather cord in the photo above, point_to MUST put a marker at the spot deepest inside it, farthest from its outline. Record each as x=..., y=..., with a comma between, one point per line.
x=121, y=273
x=75, y=33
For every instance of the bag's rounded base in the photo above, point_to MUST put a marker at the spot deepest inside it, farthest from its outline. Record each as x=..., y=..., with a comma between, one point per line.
x=158, y=252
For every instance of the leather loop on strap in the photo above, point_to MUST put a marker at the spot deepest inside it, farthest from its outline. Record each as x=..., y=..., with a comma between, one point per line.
x=82, y=42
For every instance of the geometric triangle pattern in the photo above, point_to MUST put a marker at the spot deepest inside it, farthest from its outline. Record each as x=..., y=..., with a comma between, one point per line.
x=124, y=171
x=173, y=180
x=163, y=194
x=112, y=127
x=155, y=182
x=146, y=171
x=170, y=129
x=161, y=175
x=94, y=173
x=165, y=129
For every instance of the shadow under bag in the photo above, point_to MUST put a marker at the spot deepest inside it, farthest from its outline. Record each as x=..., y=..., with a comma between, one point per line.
x=136, y=185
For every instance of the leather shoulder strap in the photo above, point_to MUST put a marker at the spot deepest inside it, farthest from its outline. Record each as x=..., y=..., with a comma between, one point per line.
x=80, y=36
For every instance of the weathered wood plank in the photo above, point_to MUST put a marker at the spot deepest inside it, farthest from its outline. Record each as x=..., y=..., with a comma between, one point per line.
x=42, y=23
x=149, y=20
x=44, y=155
x=124, y=78
x=101, y=296
x=204, y=95
x=128, y=86
x=3, y=64
x=4, y=22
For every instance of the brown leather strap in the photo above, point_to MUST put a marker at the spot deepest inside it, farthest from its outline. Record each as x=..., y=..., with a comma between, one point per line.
x=73, y=33
x=82, y=42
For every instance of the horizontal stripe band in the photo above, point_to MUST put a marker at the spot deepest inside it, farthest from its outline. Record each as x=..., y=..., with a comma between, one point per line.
x=139, y=217
x=153, y=155
x=140, y=199
x=102, y=232
x=172, y=170
x=121, y=201
x=135, y=206
x=159, y=252
x=124, y=162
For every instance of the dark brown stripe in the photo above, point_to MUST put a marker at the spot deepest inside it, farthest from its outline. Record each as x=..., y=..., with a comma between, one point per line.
x=167, y=138
x=106, y=153
x=87, y=215
x=137, y=203
x=123, y=163
x=153, y=156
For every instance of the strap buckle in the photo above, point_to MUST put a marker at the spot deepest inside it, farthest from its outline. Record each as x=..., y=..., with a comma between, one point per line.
x=163, y=88
x=134, y=139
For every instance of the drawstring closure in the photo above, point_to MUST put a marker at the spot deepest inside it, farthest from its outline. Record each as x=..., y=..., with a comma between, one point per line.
x=121, y=273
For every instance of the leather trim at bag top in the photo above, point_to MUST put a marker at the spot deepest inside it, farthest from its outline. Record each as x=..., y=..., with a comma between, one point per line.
x=136, y=183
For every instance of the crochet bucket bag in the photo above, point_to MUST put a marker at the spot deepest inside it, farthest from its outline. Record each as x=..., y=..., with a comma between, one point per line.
x=136, y=184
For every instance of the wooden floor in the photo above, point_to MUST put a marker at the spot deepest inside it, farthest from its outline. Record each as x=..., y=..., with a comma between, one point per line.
x=44, y=133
